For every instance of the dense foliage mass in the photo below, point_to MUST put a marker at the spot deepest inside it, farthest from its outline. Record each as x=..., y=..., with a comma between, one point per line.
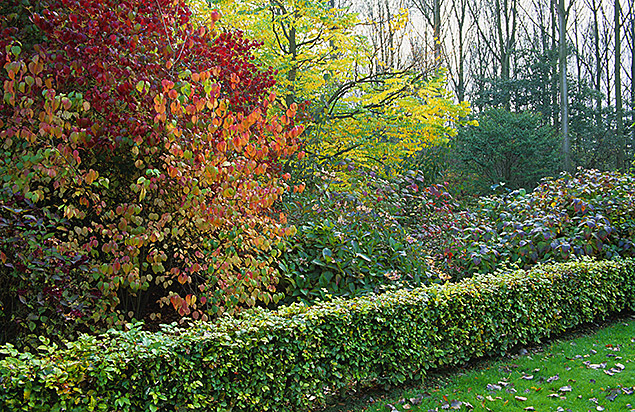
x=354, y=240
x=374, y=234
x=589, y=214
x=138, y=167
x=506, y=148
x=294, y=358
x=147, y=169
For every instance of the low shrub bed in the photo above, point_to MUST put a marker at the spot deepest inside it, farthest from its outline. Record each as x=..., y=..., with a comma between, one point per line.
x=297, y=356
x=589, y=214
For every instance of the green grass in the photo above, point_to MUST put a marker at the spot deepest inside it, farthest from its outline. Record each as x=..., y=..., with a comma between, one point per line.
x=588, y=373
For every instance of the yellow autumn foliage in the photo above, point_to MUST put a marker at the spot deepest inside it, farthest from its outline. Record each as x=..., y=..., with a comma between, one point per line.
x=377, y=120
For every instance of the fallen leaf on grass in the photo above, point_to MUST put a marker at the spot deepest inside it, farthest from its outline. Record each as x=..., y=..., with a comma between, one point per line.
x=529, y=408
x=527, y=377
x=567, y=388
x=595, y=365
x=416, y=400
x=454, y=404
x=520, y=398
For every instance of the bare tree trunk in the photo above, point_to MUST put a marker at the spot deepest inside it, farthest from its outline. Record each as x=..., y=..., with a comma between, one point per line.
x=632, y=47
x=437, y=32
x=598, y=58
x=607, y=34
x=386, y=39
x=621, y=143
x=505, y=13
x=578, y=54
x=564, y=94
x=431, y=12
x=461, y=59
x=458, y=38
x=546, y=43
x=555, y=78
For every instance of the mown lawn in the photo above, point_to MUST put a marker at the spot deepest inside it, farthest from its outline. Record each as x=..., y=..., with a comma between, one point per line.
x=590, y=372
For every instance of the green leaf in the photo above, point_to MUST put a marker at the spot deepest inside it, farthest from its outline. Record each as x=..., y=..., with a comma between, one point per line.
x=318, y=262
x=327, y=254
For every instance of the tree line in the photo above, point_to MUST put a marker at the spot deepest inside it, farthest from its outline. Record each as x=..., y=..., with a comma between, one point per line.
x=569, y=60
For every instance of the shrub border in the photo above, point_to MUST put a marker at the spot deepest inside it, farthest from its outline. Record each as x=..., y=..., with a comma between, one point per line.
x=293, y=358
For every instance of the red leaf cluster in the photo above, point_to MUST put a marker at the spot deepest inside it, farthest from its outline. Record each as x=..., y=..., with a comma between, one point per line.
x=148, y=141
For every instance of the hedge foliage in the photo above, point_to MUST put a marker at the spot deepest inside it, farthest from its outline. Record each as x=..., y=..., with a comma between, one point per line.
x=296, y=357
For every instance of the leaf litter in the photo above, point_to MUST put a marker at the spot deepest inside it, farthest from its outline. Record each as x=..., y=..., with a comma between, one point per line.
x=589, y=379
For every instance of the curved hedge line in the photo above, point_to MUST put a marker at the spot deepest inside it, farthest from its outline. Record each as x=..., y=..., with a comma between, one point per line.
x=293, y=358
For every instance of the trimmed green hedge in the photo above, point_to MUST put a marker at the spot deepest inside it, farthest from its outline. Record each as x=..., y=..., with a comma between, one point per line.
x=295, y=357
